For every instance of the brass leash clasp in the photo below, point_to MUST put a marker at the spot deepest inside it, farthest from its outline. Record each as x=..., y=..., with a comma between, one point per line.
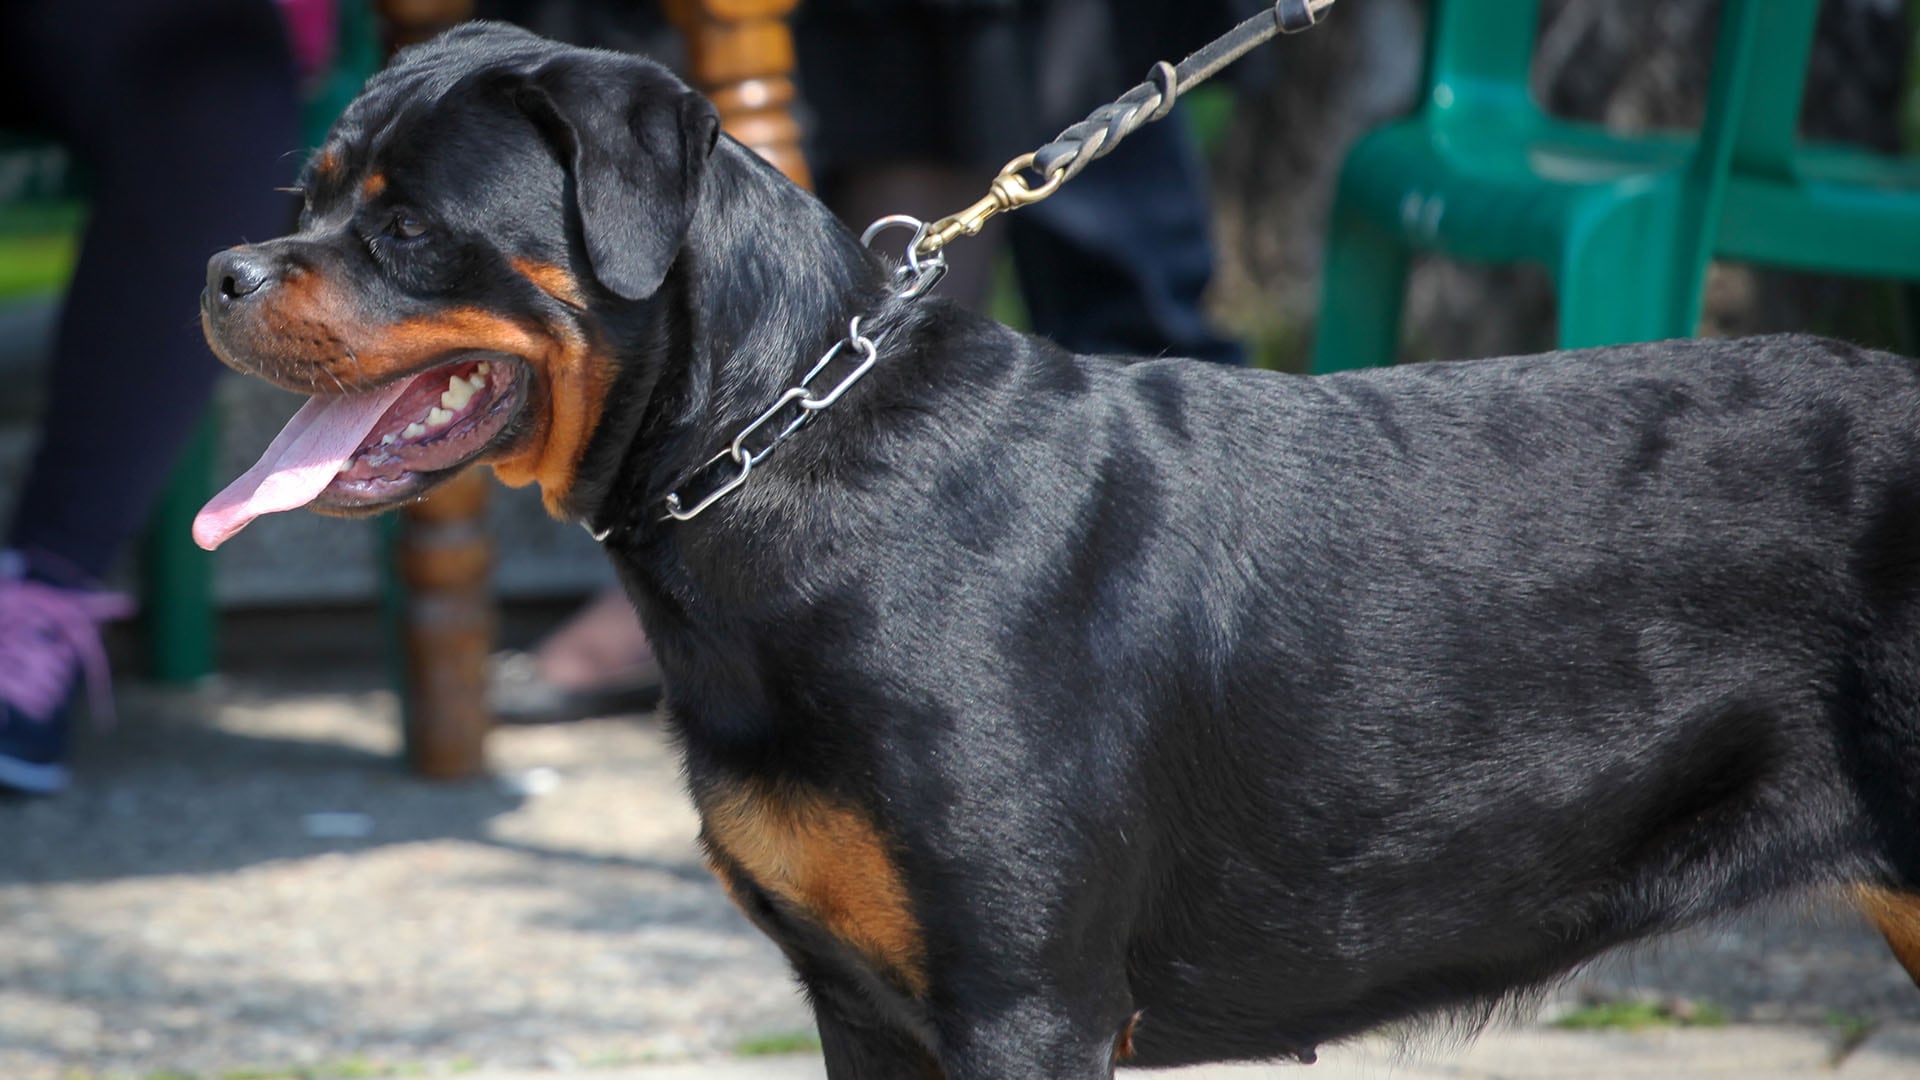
x=1009, y=191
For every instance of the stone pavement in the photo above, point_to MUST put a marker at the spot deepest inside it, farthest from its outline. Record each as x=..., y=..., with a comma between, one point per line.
x=1751, y=1053
x=243, y=883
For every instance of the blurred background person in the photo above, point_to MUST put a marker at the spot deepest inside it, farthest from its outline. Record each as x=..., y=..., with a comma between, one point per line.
x=182, y=116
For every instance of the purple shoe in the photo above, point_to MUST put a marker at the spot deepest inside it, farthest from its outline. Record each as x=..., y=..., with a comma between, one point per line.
x=49, y=642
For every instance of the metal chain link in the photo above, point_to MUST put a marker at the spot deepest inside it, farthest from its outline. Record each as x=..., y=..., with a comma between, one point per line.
x=912, y=279
x=800, y=400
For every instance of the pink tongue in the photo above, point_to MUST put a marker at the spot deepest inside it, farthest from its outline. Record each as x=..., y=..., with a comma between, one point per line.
x=302, y=460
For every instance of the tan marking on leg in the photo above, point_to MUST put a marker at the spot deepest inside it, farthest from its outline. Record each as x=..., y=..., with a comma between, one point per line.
x=828, y=861
x=1123, y=1046
x=1897, y=914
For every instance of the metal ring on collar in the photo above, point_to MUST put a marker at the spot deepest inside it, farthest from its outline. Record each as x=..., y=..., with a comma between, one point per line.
x=922, y=272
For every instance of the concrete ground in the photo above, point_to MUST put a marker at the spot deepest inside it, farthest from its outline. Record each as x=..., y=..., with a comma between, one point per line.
x=1751, y=1053
x=243, y=884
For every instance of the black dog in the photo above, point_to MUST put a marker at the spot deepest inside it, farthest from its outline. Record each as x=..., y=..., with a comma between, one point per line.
x=1053, y=710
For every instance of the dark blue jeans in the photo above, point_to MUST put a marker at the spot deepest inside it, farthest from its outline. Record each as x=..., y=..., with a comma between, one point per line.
x=1116, y=261
x=183, y=116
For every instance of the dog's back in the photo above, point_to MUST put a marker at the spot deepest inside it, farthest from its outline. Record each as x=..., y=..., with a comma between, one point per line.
x=1423, y=684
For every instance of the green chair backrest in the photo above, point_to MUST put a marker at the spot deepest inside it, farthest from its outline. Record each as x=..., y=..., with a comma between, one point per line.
x=1736, y=56
x=1479, y=53
x=1769, y=123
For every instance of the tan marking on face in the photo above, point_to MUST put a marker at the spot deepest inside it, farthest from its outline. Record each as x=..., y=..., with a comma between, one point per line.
x=1897, y=914
x=552, y=280
x=317, y=341
x=326, y=163
x=576, y=378
x=828, y=861
x=373, y=185
x=290, y=336
x=571, y=383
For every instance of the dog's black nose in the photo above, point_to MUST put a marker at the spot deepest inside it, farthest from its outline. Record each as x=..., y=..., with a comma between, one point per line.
x=237, y=273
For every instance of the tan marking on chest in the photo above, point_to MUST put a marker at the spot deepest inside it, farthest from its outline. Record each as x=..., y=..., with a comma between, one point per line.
x=825, y=859
x=1123, y=1046
x=1897, y=914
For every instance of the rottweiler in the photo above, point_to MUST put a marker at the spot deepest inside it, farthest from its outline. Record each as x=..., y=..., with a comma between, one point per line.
x=1053, y=711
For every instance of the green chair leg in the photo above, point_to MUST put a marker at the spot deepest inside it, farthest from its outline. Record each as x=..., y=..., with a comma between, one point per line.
x=1610, y=292
x=1364, y=283
x=180, y=615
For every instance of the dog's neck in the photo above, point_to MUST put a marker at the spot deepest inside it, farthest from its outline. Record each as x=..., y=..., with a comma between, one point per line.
x=765, y=283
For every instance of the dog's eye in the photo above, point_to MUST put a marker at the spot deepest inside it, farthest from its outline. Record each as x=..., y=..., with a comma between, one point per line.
x=407, y=225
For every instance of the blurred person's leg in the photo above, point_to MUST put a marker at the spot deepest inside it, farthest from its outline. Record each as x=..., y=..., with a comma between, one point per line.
x=182, y=114
x=915, y=108
x=1118, y=260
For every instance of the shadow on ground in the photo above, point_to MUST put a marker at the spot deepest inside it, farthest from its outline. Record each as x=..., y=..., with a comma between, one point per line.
x=245, y=877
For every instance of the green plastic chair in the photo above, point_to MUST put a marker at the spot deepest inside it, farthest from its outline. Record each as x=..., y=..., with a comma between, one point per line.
x=1821, y=208
x=40, y=222
x=1625, y=224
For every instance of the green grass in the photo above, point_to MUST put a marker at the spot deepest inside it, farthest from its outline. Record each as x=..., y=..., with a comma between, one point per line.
x=789, y=1042
x=1853, y=1030
x=355, y=1068
x=1642, y=1015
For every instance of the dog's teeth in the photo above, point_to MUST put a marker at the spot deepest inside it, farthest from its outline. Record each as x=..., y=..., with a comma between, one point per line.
x=388, y=440
x=438, y=418
x=459, y=392
x=413, y=431
x=478, y=383
x=483, y=367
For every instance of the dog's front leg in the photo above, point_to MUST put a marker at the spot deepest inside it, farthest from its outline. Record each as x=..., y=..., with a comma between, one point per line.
x=1033, y=1038
x=869, y=1051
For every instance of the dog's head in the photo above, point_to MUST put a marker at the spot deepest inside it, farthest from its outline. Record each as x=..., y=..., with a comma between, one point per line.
x=468, y=224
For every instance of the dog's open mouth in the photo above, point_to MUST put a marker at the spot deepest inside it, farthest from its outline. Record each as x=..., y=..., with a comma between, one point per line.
x=361, y=451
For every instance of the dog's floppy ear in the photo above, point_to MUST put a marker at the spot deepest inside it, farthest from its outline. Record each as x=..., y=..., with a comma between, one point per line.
x=637, y=141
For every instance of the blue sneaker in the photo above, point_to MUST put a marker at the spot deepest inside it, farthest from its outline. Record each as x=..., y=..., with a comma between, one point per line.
x=49, y=642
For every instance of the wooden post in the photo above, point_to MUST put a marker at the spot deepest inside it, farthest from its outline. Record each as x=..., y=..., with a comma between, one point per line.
x=443, y=560
x=410, y=22
x=740, y=54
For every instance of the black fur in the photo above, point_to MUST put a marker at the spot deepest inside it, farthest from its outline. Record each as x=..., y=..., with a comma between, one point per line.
x=1270, y=708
